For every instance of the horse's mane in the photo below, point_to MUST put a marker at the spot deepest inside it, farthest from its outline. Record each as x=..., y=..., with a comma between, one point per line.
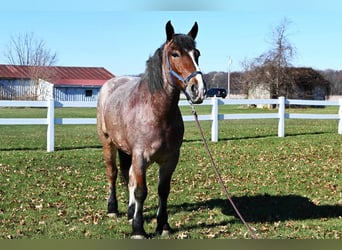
x=153, y=74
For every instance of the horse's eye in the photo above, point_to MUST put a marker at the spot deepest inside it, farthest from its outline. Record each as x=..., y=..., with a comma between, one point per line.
x=175, y=54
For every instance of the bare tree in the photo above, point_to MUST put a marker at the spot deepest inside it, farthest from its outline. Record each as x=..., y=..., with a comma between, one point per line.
x=278, y=58
x=270, y=68
x=28, y=50
x=282, y=51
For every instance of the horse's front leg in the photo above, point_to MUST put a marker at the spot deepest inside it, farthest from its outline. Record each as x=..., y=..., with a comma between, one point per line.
x=137, y=195
x=165, y=173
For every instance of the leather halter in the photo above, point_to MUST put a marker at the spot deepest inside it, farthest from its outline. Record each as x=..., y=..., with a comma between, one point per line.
x=185, y=81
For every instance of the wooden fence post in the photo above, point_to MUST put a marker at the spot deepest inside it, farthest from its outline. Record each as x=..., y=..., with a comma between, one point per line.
x=281, y=114
x=51, y=126
x=214, y=117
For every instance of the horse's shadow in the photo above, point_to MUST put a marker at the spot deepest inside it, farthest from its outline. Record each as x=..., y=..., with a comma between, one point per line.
x=266, y=208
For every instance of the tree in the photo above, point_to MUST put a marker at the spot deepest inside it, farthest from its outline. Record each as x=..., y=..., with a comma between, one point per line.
x=28, y=50
x=278, y=58
x=335, y=77
x=269, y=69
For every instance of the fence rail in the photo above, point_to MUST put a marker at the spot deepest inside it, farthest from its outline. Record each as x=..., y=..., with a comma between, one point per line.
x=281, y=102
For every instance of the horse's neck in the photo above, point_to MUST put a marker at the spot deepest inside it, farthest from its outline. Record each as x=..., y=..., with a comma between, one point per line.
x=167, y=99
x=165, y=95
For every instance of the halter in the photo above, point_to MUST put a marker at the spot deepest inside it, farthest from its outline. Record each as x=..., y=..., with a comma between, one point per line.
x=185, y=81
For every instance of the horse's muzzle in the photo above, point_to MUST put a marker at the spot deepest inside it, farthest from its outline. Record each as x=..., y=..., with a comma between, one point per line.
x=195, y=91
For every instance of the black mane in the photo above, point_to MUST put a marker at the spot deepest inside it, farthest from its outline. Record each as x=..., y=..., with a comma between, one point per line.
x=153, y=74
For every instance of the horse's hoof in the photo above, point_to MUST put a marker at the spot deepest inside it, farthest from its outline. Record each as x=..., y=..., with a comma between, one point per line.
x=112, y=215
x=138, y=237
x=165, y=233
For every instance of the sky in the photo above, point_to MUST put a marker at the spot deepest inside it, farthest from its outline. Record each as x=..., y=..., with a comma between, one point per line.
x=121, y=35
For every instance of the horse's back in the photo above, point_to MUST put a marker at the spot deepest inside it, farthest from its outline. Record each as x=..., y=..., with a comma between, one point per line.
x=113, y=84
x=118, y=86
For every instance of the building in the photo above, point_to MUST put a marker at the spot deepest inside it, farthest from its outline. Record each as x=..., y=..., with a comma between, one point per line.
x=19, y=82
x=302, y=83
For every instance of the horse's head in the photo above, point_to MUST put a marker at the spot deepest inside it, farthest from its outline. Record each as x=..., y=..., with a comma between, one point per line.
x=181, y=61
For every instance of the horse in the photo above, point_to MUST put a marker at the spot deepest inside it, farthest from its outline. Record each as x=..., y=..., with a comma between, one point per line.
x=139, y=120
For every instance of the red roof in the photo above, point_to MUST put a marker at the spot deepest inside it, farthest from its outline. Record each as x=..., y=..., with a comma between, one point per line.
x=58, y=75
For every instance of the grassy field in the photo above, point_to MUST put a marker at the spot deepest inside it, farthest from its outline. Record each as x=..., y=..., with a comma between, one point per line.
x=285, y=187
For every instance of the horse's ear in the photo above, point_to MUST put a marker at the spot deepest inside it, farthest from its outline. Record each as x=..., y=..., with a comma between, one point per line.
x=169, y=31
x=193, y=31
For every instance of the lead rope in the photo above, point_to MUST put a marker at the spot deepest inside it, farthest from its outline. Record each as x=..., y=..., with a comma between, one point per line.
x=251, y=231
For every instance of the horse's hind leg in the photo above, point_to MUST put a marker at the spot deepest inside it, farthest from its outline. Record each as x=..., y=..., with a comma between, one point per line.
x=166, y=170
x=109, y=153
x=125, y=164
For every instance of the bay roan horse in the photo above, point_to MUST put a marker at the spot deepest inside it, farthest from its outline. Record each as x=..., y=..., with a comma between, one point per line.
x=140, y=118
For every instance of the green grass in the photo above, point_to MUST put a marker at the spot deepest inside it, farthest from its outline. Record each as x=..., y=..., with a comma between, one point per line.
x=285, y=187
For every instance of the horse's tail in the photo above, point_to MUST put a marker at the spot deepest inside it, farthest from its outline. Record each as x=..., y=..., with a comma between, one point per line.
x=125, y=164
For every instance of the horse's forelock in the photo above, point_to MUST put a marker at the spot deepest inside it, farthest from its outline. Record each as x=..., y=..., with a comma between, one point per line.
x=184, y=42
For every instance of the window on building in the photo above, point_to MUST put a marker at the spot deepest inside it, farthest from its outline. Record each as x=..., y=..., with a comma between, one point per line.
x=88, y=92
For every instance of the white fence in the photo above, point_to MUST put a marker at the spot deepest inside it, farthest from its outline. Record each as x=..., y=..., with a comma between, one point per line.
x=50, y=121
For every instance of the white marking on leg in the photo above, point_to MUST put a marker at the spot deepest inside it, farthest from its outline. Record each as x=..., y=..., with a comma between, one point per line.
x=158, y=211
x=131, y=187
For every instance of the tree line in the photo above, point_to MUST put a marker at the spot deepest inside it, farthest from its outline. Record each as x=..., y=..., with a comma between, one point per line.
x=335, y=79
x=238, y=86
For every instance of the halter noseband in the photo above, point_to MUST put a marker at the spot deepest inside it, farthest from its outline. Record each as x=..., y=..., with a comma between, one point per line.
x=185, y=81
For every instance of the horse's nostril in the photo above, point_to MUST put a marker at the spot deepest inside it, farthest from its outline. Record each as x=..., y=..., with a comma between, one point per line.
x=194, y=88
